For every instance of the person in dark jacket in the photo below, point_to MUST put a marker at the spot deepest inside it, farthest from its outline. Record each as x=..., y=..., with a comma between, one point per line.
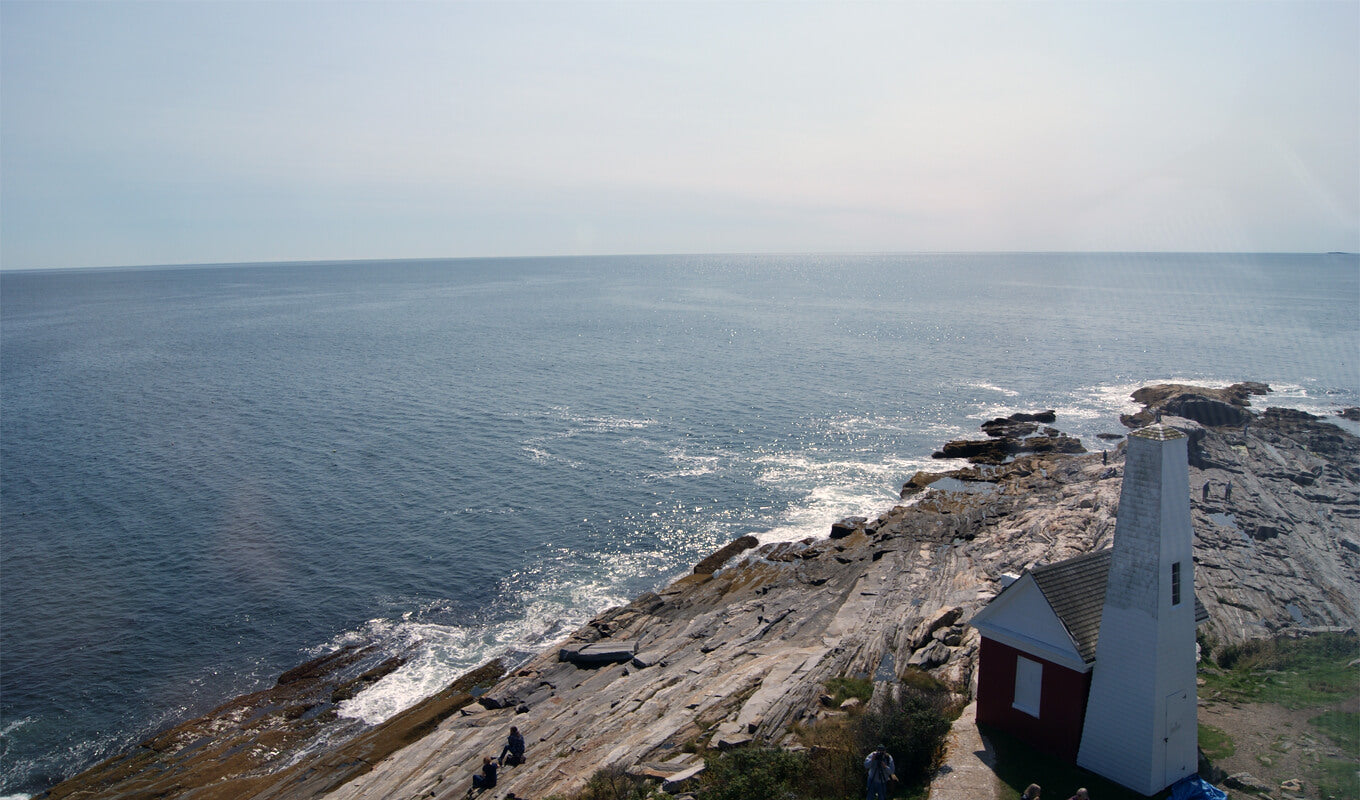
x=880, y=768
x=513, y=753
x=487, y=780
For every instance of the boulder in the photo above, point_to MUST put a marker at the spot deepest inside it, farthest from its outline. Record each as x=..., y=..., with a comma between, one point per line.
x=647, y=658
x=843, y=528
x=987, y=451
x=1052, y=444
x=679, y=779
x=595, y=654
x=942, y=617
x=1246, y=782
x=1005, y=428
x=1207, y=411
x=731, y=735
x=1238, y=394
x=724, y=554
x=919, y=482
x=930, y=656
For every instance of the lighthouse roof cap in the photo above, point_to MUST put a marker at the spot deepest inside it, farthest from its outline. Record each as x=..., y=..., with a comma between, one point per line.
x=1158, y=432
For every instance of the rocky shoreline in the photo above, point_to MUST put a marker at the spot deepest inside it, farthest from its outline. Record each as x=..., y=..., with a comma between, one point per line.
x=740, y=649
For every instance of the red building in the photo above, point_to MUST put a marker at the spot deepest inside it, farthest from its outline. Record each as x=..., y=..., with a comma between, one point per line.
x=1039, y=640
x=1038, y=646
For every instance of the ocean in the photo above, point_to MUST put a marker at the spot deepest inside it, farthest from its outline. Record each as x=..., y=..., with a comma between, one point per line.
x=211, y=474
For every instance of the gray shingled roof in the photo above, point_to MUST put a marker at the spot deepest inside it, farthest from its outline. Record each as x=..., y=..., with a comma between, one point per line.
x=1075, y=590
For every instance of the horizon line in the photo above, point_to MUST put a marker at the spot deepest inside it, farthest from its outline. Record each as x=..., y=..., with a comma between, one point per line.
x=415, y=259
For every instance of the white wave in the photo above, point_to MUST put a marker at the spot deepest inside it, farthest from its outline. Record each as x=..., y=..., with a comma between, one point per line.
x=439, y=653
x=605, y=422
x=834, y=489
x=991, y=387
x=690, y=465
x=15, y=797
x=11, y=727
x=542, y=456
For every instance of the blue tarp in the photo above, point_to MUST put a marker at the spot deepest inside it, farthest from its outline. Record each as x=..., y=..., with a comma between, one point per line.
x=1193, y=787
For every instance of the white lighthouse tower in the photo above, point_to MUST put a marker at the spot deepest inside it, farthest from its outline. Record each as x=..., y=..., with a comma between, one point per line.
x=1140, y=729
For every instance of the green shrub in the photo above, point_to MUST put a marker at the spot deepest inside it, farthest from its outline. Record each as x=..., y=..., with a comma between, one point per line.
x=835, y=766
x=613, y=783
x=912, y=728
x=754, y=773
x=842, y=689
x=923, y=681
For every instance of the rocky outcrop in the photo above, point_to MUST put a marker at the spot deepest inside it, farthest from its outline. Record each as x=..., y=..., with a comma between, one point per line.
x=1018, y=433
x=1212, y=407
x=739, y=653
x=250, y=746
x=715, y=561
x=1017, y=425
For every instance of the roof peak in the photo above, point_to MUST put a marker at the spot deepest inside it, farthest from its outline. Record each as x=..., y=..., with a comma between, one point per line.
x=1158, y=432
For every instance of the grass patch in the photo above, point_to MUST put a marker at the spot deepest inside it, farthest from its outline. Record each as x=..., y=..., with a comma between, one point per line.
x=1018, y=765
x=1342, y=727
x=1294, y=673
x=1340, y=778
x=1215, y=743
x=842, y=689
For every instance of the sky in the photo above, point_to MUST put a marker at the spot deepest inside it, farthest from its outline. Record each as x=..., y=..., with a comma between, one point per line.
x=137, y=133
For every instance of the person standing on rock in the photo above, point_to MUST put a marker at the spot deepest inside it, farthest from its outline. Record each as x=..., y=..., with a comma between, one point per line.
x=879, y=765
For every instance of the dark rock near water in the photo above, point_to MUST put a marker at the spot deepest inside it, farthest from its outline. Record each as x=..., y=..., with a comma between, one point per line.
x=996, y=451
x=597, y=653
x=1005, y=428
x=1052, y=444
x=1239, y=394
x=982, y=451
x=1352, y=414
x=920, y=481
x=725, y=554
x=1206, y=411
x=1009, y=436
x=843, y=528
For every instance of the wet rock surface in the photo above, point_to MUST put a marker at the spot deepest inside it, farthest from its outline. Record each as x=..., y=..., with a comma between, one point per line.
x=738, y=653
x=1010, y=436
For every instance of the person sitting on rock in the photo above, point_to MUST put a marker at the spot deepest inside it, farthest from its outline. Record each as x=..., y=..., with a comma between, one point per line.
x=513, y=753
x=1081, y=794
x=487, y=780
x=1031, y=792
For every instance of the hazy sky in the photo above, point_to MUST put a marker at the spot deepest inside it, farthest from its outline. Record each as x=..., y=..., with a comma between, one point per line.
x=190, y=132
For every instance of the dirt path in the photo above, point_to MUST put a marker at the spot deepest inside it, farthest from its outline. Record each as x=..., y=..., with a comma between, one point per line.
x=1275, y=744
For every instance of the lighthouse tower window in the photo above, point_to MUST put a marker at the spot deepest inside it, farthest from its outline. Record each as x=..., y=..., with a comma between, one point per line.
x=1176, y=583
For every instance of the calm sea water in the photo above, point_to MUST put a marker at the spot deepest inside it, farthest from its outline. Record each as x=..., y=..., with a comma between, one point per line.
x=211, y=474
